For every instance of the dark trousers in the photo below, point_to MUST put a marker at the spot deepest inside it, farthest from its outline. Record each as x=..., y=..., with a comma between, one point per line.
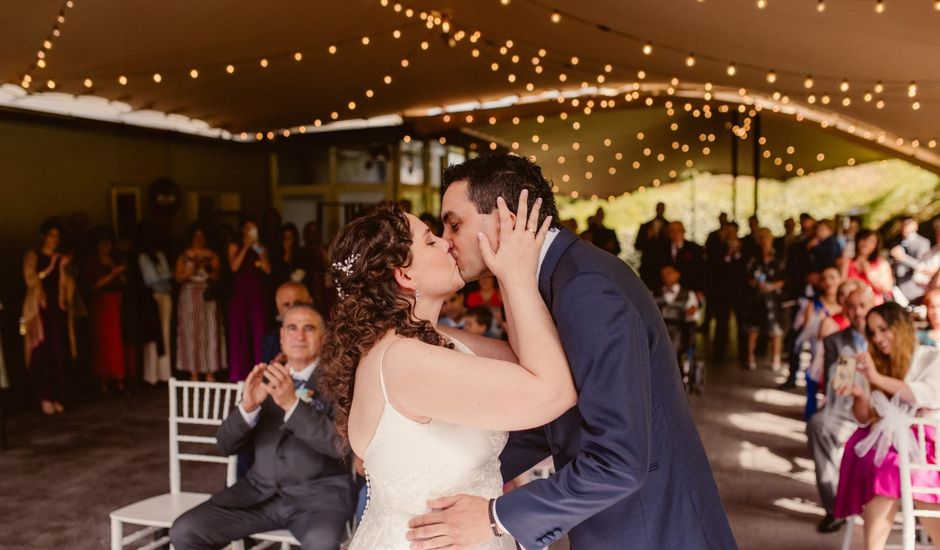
x=49, y=358
x=210, y=526
x=722, y=308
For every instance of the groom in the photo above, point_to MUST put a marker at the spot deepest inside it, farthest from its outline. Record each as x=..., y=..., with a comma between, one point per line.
x=631, y=470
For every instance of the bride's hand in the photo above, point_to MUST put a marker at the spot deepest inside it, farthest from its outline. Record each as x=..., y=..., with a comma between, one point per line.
x=520, y=240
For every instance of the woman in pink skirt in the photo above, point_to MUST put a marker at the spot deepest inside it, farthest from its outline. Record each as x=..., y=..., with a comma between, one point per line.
x=895, y=377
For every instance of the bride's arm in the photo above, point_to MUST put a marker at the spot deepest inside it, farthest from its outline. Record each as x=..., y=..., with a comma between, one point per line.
x=481, y=345
x=425, y=381
x=435, y=382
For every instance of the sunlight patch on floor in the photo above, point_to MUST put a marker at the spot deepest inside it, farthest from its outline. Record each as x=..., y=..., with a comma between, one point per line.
x=800, y=505
x=769, y=424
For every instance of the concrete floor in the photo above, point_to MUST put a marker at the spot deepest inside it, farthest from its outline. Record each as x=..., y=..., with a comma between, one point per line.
x=63, y=474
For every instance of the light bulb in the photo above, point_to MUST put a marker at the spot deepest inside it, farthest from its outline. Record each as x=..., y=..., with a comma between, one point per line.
x=771, y=76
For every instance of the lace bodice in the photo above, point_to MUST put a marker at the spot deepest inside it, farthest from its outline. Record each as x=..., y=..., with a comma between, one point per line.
x=407, y=463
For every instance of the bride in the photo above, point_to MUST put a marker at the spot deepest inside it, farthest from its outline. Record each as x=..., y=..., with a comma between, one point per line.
x=428, y=411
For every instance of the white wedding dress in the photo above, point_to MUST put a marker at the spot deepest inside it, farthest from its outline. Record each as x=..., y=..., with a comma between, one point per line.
x=407, y=463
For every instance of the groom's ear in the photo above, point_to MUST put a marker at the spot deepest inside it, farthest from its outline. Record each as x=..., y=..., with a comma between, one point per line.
x=403, y=279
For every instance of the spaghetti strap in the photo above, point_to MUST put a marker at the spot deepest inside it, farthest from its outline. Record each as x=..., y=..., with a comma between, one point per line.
x=382, y=372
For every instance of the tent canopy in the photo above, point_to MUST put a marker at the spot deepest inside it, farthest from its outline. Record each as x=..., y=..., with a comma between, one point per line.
x=247, y=67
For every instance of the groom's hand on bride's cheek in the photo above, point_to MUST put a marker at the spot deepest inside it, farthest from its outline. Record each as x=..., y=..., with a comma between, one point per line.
x=460, y=522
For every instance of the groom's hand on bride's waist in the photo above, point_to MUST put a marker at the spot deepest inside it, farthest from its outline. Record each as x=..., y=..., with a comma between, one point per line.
x=458, y=522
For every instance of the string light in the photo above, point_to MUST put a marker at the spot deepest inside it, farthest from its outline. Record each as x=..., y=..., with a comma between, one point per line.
x=845, y=85
x=647, y=48
x=689, y=61
x=912, y=89
x=879, y=6
x=821, y=6
x=556, y=17
x=879, y=87
x=771, y=76
x=731, y=69
x=808, y=82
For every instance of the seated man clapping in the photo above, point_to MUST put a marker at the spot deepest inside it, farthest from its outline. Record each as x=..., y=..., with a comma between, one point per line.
x=298, y=480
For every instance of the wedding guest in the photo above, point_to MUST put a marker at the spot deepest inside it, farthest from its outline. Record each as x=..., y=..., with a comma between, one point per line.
x=930, y=336
x=765, y=311
x=799, y=260
x=827, y=252
x=686, y=256
x=247, y=307
x=479, y=320
x=908, y=251
x=829, y=429
x=679, y=307
x=848, y=237
x=839, y=321
x=896, y=374
x=156, y=274
x=453, y=311
x=287, y=295
x=783, y=242
x=648, y=240
x=104, y=275
x=716, y=239
x=824, y=305
x=200, y=333
x=487, y=295
x=750, y=245
x=729, y=295
x=46, y=318
x=299, y=481
x=602, y=236
x=287, y=264
x=868, y=266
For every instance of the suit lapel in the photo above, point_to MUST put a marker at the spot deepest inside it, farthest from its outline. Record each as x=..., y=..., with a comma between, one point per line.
x=558, y=247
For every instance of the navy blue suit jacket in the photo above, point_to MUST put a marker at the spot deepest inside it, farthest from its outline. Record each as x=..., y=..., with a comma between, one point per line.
x=631, y=469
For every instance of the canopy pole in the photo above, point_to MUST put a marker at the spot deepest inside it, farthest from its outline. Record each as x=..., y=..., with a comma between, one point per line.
x=756, y=136
x=734, y=167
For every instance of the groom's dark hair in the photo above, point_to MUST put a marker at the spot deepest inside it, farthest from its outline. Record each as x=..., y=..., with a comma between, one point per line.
x=492, y=176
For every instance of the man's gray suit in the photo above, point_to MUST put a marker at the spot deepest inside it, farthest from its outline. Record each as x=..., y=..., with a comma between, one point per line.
x=831, y=426
x=298, y=482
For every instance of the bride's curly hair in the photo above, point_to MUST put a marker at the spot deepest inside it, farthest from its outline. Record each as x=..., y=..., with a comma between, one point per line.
x=364, y=256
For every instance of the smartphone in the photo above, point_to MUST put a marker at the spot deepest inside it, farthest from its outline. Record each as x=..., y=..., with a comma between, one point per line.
x=845, y=372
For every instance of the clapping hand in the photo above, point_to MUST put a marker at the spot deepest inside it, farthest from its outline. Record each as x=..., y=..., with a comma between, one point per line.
x=280, y=386
x=254, y=393
x=520, y=240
